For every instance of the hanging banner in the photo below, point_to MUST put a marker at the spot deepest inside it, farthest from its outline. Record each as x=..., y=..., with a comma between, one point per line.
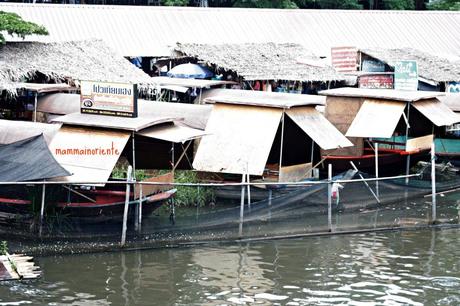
x=406, y=75
x=105, y=98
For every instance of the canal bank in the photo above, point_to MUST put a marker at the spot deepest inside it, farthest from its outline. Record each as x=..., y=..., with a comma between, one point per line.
x=417, y=267
x=200, y=226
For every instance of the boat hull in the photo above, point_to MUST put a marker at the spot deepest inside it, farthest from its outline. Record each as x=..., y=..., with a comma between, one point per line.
x=391, y=162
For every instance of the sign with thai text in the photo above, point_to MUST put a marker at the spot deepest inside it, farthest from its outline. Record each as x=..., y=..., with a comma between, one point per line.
x=406, y=75
x=376, y=81
x=344, y=59
x=105, y=98
x=371, y=65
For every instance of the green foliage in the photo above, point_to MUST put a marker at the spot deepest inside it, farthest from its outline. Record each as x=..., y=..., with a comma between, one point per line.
x=191, y=196
x=3, y=247
x=445, y=5
x=13, y=24
x=340, y=4
x=175, y=2
x=398, y=4
x=283, y=4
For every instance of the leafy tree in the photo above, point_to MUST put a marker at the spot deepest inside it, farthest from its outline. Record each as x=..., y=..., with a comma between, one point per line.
x=13, y=24
x=338, y=4
x=176, y=2
x=398, y=5
x=284, y=4
x=445, y=5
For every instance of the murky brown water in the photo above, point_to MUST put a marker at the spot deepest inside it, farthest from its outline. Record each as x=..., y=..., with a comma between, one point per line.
x=393, y=268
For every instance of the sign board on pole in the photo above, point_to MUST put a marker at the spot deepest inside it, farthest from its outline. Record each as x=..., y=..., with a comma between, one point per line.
x=106, y=98
x=376, y=81
x=406, y=75
x=453, y=87
x=344, y=59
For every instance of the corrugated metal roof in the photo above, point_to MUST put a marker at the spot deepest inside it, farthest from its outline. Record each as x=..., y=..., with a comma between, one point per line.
x=261, y=98
x=151, y=31
x=388, y=94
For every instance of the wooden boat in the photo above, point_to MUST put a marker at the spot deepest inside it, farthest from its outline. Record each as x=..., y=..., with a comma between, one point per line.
x=110, y=204
x=391, y=161
x=94, y=204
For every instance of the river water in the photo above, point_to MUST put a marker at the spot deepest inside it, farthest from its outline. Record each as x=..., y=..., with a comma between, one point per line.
x=419, y=267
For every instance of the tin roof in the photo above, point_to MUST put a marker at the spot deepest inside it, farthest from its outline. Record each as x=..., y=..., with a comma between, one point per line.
x=153, y=31
x=385, y=94
x=261, y=98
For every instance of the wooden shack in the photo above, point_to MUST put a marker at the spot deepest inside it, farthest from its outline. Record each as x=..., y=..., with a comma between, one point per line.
x=263, y=133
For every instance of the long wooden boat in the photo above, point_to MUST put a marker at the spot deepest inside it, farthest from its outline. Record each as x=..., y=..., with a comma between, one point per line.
x=91, y=203
x=391, y=161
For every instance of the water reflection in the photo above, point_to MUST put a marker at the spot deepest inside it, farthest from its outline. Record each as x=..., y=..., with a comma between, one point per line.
x=393, y=268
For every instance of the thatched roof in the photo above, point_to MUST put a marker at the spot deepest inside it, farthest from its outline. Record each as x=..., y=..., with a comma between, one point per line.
x=430, y=67
x=263, y=61
x=66, y=62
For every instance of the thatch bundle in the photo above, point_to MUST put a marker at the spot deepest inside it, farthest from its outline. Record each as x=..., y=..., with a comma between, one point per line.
x=430, y=67
x=68, y=62
x=263, y=61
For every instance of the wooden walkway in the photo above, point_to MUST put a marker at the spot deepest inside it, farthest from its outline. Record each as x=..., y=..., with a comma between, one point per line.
x=18, y=267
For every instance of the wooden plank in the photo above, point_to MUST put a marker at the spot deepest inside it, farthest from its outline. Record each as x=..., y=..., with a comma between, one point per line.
x=318, y=128
x=239, y=141
x=419, y=143
x=295, y=173
x=151, y=189
x=376, y=119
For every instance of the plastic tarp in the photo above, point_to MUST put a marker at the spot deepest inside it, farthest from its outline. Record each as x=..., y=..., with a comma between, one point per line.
x=28, y=160
x=12, y=131
x=376, y=119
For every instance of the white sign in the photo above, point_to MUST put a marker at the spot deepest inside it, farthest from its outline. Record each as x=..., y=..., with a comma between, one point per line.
x=406, y=75
x=105, y=98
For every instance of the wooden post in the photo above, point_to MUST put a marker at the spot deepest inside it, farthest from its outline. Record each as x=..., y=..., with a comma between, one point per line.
x=329, y=198
x=433, y=184
x=139, y=221
x=240, y=231
x=281, y=144
x=312, y=156
x=125, y=212
x=249, y=191
x=377, y=169
x=35, y=107
x=134, y=160
x=270, y=195
x=407, y=138
x=42, y=210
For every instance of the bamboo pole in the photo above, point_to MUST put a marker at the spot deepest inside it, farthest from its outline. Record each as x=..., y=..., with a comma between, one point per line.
x=139, y=228
x=329, y=198
x=240, y=230
x=377, y=169
x=433, y=183
x=35, y=107
x=125, y=212
x=42, y=210
x=365, y=182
